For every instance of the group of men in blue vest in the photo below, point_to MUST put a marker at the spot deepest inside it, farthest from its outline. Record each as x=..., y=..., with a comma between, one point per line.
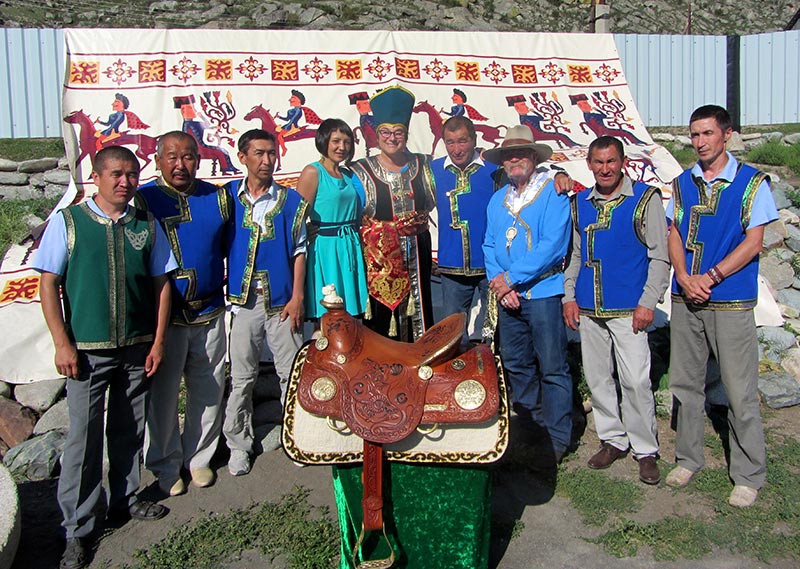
x=512, y=237
x=622, y=242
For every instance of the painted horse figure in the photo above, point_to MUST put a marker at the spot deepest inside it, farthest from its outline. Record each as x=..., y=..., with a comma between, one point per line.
x=87, y=145
x=268, y=123
x=490, y=134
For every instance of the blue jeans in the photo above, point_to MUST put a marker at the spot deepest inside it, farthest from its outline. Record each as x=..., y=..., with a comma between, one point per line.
x=533, y=347
x=458, y=292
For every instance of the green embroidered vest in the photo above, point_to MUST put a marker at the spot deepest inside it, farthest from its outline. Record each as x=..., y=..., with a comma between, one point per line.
x=107, y=287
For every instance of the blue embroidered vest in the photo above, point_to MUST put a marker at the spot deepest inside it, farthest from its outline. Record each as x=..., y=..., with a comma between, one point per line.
x=462, y=198
x=266, y=255
x=712, y=226
x=197, y=227
x=614, y=259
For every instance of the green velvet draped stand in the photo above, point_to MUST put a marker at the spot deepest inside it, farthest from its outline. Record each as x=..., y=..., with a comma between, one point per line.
x=435, y=516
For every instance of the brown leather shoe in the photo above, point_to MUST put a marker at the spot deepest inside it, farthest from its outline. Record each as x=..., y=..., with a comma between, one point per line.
x=606, y=456
x=648, y=470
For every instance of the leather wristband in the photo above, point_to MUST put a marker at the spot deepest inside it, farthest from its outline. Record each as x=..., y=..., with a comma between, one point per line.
x=715, y=274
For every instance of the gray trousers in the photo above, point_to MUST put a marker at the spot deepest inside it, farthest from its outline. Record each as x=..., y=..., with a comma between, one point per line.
x=196, y=353
x=732, y=337
x=249, y=329
x=631, y=421
x=119, y=371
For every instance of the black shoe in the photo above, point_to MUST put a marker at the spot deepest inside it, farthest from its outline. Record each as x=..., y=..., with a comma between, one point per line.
x=74, y=556
x=139, y=510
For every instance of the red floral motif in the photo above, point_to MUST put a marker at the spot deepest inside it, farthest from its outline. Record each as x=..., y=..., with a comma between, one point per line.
x=552, y=72
x=119, y=72
x=152, y=71
x=348, y=69
x=494, y=72
x=579, y=74
x=84, y=72
x=251, y=68
x=379, y=68
x=467, y=71
x=25, y=288
x=219, y=69
x=185, y=69
x=317, y=69
x=285, y=70
x=524, y=74
x=437, y=69
x=606, y=73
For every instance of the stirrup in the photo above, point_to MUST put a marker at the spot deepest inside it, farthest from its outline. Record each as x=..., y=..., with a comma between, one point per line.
x=373, y=563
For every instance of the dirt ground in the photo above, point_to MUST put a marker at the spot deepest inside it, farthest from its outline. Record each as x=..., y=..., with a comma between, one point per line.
x=554, y=534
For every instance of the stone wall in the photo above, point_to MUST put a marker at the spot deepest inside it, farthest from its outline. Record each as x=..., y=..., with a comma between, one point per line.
x=37, y=178
x=716, y=17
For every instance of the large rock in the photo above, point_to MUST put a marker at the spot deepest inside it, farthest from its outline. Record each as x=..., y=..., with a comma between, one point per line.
x=791, y=362
x=663, y=137
x=60, y=177
x=54, y=190
x=267, y=437
x=63, y=163
x=16, y=422
x=7, y=165
x=788, y=217
x=36, y=459
x=39, y=395
x=793, y=241
x=779, y=196
x=779, y=389
x=770, y=136
x=683, y=140
x=5, y=389
x=776, y=338
x=774, y=234
x=16, y=192
x=790, y=297
x=55, y=419
x=779, y=274
x=38, y=165
x=751, y=136
x=793, y=138
x=735, y=143
x=13, y=179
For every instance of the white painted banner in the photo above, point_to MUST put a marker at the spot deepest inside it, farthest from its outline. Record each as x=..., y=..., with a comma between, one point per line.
x=125, y=87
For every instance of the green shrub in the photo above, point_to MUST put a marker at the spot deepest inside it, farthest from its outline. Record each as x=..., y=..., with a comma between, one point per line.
x=775, y=153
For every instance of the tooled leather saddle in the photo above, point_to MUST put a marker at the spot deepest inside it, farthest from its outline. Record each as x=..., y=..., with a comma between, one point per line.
x=383, y=390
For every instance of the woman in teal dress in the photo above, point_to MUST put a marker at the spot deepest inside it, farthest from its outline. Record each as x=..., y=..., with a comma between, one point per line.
x=334, y=249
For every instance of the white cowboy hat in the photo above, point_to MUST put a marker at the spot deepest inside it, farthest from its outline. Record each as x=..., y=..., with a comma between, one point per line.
x=519, y=136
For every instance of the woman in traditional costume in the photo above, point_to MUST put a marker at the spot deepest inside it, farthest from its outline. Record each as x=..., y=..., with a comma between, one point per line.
x=436, y=515
x=334, y=248
x=399, y=196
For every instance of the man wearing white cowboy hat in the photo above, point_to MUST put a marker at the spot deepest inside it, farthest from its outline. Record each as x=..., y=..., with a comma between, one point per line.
x=527, y=235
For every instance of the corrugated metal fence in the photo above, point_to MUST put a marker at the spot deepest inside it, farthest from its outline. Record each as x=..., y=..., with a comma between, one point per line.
x=669, y=77
x=32, y=65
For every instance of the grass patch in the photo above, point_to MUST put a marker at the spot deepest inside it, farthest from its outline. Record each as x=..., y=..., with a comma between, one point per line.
x=19, y=149
x=684, y=155
x=768, y=530
x=12, y=223
x=306, y=536
x=775, y=153
x=596, y=496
